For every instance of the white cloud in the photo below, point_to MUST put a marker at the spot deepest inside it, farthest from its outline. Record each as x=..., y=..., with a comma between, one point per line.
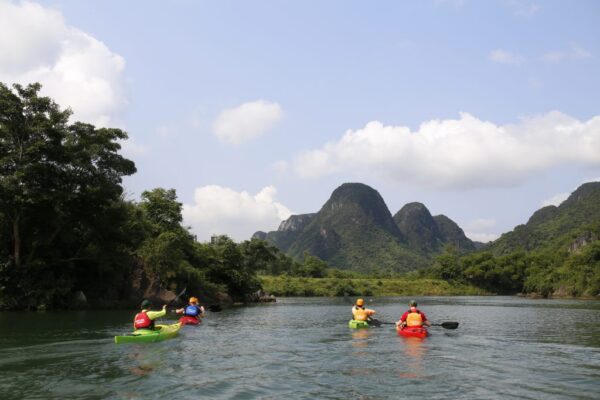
x=247, y=121
x=575, y=52
x=555, y=200
x=75, y=69
x=505, y=57
x=221, y=210
x=482, y=237
x=462, y=153
x=478, y=230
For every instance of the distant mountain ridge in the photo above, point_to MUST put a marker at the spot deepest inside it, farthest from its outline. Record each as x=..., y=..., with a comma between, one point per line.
x=355, y=230
x=553, y=226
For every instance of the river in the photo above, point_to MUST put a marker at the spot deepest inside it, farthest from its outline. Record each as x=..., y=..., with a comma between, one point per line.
x=504, y=348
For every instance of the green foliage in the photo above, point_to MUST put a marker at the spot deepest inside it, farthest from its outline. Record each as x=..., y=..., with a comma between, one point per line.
x=406, y=286
x=59, y=198
x=64, y=226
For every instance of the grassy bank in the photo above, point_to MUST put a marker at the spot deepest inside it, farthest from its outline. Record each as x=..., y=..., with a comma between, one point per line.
x=299, y=286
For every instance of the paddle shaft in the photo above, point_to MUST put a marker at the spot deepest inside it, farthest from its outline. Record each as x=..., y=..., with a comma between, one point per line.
x=178, y=296
x=445, y=325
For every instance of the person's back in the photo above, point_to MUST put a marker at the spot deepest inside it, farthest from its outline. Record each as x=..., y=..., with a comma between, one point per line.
x=145, y=318
x=413, y=317
x=192, y=309
x=359, y=312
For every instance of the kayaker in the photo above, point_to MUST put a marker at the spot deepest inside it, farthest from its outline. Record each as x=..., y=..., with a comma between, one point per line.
x=413, y=317
x=145, y=318
x=192, y=309
x=360, y=313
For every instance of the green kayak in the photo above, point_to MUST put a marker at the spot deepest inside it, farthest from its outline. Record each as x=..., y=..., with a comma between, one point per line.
x=355, y=324
x=161, y=332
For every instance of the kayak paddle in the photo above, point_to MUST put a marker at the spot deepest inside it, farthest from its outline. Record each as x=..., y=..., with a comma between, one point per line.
x=447, y=325
x=178, y=296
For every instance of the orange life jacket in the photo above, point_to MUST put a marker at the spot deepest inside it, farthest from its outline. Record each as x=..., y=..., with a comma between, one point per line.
x=414, y=319
x=361, y=313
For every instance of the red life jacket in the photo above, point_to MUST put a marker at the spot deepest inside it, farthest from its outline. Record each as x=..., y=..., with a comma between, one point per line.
x=142, y=321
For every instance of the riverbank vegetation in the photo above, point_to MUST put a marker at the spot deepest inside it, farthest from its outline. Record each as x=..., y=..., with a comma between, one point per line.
x=286, y=285
x=561, y=271
x=68, y=235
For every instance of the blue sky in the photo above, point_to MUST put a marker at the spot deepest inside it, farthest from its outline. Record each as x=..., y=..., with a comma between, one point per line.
x=482, y=110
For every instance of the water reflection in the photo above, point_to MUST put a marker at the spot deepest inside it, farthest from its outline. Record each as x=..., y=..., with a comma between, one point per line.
x=413, y=351
x=302, y=349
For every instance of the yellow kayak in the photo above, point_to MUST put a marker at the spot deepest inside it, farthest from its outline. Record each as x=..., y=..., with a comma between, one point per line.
x=161, y=332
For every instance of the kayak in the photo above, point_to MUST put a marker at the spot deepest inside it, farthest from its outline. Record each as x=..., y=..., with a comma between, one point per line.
x=187, y=320
x=355, y=324
x=162, y=332
x=415, y=331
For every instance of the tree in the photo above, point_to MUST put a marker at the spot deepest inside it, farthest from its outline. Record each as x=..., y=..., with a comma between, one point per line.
x=58, y=183
x=162, y=209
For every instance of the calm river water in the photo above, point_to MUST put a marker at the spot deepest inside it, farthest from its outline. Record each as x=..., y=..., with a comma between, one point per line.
x=504, y=348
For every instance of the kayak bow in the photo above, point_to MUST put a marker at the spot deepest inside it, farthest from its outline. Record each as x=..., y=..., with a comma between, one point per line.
x=355, y=324
x=162, y=332
x=187, y=320
x=413, y=331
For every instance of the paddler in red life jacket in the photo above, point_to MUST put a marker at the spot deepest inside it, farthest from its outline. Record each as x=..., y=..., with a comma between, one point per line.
x=360, y=313
x=413, y=317
x=192, y=309
x=145, y=318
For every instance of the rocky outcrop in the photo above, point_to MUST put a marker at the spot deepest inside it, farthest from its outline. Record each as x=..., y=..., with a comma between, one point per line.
x=260, y=297
x=581, y=241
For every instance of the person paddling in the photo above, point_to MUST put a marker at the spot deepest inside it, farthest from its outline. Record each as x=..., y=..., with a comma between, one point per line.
x=192, y=310
x=413, y=317
x=360, y=313
x=145, y=318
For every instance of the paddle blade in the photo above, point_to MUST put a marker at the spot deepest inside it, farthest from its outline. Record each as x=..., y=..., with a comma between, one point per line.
x=214, y=308
x=449, y=325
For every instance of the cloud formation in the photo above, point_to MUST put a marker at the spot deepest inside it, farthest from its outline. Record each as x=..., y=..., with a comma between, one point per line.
x=505, y=57
x=247, y=121
x=478, y=230
x=575, y=52
x=459, y=153
x=556, y=199
x=221, y=210
x=75, y=69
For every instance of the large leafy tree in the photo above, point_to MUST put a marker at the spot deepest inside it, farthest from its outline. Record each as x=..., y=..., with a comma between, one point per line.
x=60, y=187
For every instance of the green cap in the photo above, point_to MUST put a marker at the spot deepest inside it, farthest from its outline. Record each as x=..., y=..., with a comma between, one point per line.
x=412, y=303
x=146, y=304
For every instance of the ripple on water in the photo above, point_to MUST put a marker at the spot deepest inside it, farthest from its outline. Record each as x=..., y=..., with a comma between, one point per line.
x=302, y=348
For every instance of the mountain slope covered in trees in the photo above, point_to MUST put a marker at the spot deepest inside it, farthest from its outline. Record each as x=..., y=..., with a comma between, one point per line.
x=557, y=252
x=355, y=230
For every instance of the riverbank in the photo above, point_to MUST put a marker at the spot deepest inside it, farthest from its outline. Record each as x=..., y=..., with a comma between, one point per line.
x=283, y=286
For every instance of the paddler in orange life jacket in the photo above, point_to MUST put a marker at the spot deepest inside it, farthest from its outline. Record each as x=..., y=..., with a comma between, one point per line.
x=192, y=309
x=360, y=313
x=413, y=317
x=145, y=318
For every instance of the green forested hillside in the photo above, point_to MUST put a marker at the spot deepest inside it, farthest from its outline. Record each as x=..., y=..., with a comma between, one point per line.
x=355, y=230
x=557, y=252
